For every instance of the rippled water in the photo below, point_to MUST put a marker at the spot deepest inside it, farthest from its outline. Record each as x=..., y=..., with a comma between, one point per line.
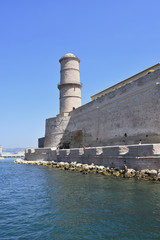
x=38, y=202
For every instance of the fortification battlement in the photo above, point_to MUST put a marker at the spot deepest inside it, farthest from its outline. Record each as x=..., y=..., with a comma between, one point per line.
x=139, y=150
x=128, y=89
x=121, y=115
x=110, y=126
x=127, y=81
x=136, y=156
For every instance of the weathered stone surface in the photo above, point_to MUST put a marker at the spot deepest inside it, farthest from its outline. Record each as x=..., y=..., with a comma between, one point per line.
x=131, y=171
x=79, y=165
x=116, y=173
x=97, y=160
x=87, y=125
x=106, y=173
x=146, y=174
x=101, y=168
x=86, y=167
x=143, y=171
x=153, y=172
x=128, y=175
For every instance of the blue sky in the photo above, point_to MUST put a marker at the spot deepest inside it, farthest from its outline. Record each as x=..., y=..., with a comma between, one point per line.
x=114, y=40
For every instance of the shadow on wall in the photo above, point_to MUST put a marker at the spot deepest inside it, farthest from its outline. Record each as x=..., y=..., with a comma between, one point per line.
x=75, y=139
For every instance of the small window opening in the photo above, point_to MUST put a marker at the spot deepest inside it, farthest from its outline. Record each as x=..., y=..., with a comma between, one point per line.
x=125, y=134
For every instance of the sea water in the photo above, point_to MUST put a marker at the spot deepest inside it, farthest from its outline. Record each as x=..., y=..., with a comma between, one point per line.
x=38, y=202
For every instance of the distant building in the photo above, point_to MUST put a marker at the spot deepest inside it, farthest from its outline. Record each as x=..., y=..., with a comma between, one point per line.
x=0, y=150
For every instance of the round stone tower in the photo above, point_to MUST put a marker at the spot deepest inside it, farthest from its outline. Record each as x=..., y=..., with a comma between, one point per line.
x=70, y=86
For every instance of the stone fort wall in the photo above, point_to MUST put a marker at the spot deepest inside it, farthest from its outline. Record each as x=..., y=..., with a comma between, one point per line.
x=124, y=116
x=138, y=157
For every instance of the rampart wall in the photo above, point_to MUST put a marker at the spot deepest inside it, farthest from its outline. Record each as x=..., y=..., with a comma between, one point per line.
x=138, y=157
x=124, y=116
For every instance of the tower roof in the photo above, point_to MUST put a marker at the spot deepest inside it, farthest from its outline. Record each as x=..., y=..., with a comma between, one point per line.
x=69, y=55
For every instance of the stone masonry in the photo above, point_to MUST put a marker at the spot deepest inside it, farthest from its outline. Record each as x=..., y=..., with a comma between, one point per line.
x=125, y=115
x=110, y=127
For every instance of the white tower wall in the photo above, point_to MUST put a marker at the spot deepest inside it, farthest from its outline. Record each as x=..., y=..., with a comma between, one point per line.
x=70, y=86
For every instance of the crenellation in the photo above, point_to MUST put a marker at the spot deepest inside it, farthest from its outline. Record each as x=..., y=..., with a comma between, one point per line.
x=123, y=150
x=99, y=150
x=138, y=156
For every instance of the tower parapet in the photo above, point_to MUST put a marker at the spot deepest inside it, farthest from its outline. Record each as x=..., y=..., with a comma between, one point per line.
x=70, y=86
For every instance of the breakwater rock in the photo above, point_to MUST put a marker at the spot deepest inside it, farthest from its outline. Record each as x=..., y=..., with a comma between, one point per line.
x=146, y=174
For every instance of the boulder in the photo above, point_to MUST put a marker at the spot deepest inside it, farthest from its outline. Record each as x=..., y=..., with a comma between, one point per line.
x=152, y=173
x=106, y=173
x=100, y=168
x=130, y=173
x=71, y=168
x=91, y=167
x=144, y=175
x=147, y=171
x=116, y=173
x=73, y=164
x=86, y=167
x=130, y=170
x=116, y=169
x=79, y=165
x=79, y=169
x=143, y=171
x=61, y=164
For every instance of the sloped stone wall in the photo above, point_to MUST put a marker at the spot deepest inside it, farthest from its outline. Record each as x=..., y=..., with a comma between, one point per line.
x=124, y=116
